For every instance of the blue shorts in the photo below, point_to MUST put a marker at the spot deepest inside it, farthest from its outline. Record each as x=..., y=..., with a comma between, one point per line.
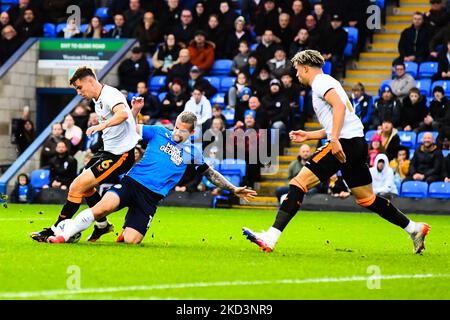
x=141, y=203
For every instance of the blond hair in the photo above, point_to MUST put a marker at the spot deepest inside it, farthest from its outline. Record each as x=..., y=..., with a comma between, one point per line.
x=310, y=58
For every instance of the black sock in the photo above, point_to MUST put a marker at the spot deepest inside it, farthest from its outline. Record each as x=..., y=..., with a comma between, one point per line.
x=68, y=211
x=388, y=211
x=282, y=220
x=93, y=200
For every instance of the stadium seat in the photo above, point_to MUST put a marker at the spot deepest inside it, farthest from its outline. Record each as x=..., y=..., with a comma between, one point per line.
x=445, y=153
x=161, y=96
x=414, y=189
x=253, y=46
x=429, y=99
x=420, y=136
x=229, y=115
x=157, y=82
x=214, y=81
x=352, y=35
x=221, y=67
x=84, y=27
x=380, y=3
x=102, y=13
x=301, y=103
x=369, y=135
x=226, y=83
x=39, y=178
x=131, y=95
x=232, y=167
x=439, y=190
x=427, y=69
x=424, y=85
x=411, y=153
x=5, y=7
x=445, y=84
x=108, y=27
x=60, y=27
x=219, y=98
x=49, y=30
x=348, y=52
x=407, y=139
x=327, y=67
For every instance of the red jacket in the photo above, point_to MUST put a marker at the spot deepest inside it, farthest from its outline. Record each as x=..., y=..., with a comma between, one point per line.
x=202, y=58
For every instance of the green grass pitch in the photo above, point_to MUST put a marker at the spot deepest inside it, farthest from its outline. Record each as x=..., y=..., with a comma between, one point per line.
x=192, y=253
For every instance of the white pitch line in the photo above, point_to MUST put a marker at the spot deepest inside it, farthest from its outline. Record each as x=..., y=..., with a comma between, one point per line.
x=65, y=292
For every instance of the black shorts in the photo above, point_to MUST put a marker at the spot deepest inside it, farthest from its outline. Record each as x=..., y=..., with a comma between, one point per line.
x=141, y=203
x=107, y=167
x=355, y=170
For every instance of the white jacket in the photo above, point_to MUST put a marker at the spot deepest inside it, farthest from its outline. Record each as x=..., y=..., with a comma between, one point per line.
x=203, y=110
x=383, y=182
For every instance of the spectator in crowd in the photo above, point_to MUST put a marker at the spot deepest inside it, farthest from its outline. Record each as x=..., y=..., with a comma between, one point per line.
x=25, y=135
x=440, y=38
x=374, y=148
x=189, y=180
x=300, y=43
x=201, y=107
x=427, y=162
x=170, y=15
x=70, y=31
x=120, y=30
x=252, y=163
x=17, y=10
x=201, y=51
x=166, y=55
x=313, y=31
x=151, y=111
x=277, y=109
x=390, y=141
x=214, y=138
x=294, y=168
x=443, y=63
x=322, y=17
x=133, y=70
x=63, y=168
x=383, y=177
x=242, y=105
x=148, y=33
x=227, y=16
x=267, y=18
x=23, y=191
x=200, y=15
x=337, y=188
x=362, y=104
x=217, y=114
x=279, y=64
x=387, y=107
x=333, y=41
x=184, y=30
x=80, y=115
x=261, y=116
x=413, y=43
x=447, y=168
x=175, y=100
x=413, y=110
x=54, y=11
x=217, y=34
x=261, y=83
x=266, y=49
x=443, y=138
x=4, y=20
x=133, y=16
x=180, y=68
x=29, y=26
x=356, y=16
x=95, y=29
x=283, y=33
x=298, y=16
x=437, y=17
x=238, y=35
x=235, y=90
x=240, y=61
x=49, y=147
x=292, y=91
x=400, y=165
x=403, y=82
x=10, y=42
x=196, y=80
x=252, y=68
x=94, y=142
x=438, y=109
x=73, y=133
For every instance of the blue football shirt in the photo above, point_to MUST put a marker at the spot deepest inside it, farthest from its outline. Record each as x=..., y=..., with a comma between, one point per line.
x=164, y=161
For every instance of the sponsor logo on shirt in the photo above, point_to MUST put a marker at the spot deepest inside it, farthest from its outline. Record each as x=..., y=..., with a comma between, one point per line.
x=173, y=152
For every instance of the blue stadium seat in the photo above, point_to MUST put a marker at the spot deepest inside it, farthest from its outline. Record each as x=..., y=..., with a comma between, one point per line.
x=49, y=30
x=352, y=35
x=253, y=46
x=445, y=84
x=84, y=27
x=411, y=153
x=407, y=139
x=327, y=67
x=429, y=99
x=218, y=98
x=10, y=1
x=439, y=190
x=387, y=81
x=424, y=85
x=5, y=7
x=157, y=82
x=348, y=51
x=229, y=115
x=226, y=83
x=427, y=69
x=380, y=3
x=131, y=95
x=161, y=96
x=414, y=189
x=221, y=67
x=39, y=178
x=214, y=81
x=301, y=103
x=60, y=27
x=369, y=135
x=445, y=153
x=108, y=27
x=420, y=136
x=102, y=13
x=233, y=167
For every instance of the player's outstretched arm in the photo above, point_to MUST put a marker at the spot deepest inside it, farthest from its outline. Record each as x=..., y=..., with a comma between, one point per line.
x=302, y=136
x=222, y=183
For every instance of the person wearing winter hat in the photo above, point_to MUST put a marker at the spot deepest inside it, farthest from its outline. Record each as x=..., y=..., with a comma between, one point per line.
x=388, y=106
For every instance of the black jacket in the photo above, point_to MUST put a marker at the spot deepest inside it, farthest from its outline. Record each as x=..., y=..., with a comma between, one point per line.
x=152, y=106
x=29, y=30
x=131, y=73
x=204, y=86
x=386, y=110
x=172, y=105
x=180, y=71
x=426, y=163
x=63, y=169
x=219, y=37
x=334, y=41
x=276, y=108
x=413, y=115
x=409, y=46
x=438, y=109
x=49, y=149
x=148, y=39
x=118, y=33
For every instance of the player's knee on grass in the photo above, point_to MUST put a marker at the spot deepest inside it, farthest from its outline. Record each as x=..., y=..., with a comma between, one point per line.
x=132, y=236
